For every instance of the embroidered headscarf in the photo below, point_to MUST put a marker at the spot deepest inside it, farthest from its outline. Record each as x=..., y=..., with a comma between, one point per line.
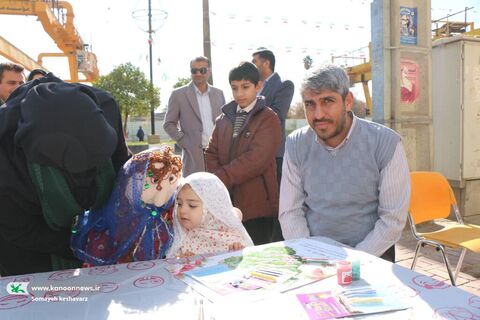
x=220, y=225
x=127, y=229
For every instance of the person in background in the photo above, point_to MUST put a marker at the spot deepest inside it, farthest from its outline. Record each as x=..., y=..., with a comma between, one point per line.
x=36, y=73
x=11, y=76
x=278, y=96
x=191, y=113
x=242, y=152
x=343, y=178
x=140, y=134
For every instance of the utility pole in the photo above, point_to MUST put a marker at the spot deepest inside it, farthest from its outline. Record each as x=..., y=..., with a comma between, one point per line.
x=207, y=47
x=150, y=40
x=159, y=16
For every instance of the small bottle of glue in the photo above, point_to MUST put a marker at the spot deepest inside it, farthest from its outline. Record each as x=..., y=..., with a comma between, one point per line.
x=355, y=270
x=344, y=272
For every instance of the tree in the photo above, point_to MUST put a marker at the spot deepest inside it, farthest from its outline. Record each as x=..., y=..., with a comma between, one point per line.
x=131, y=89
x=181, y=82
x=359, y=108
x=307, y=62
x=296, y=111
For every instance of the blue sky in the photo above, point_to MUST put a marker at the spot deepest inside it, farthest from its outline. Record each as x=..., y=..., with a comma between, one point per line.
x=318, y=28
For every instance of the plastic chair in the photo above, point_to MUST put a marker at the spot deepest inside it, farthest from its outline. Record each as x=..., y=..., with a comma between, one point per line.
x=432, y=198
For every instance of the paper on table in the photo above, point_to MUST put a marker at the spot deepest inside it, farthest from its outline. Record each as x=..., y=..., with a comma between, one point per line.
x=349, y=301
x=370, y=299
x=255, y=272
x=322, y=305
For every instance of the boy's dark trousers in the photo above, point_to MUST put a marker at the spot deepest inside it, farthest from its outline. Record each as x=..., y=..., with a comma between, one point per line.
x=276, y=229
x=389, y=255
x=260, y=230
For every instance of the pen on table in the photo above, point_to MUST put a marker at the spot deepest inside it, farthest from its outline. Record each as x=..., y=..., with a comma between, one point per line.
x=359, y=289
x=317, y=260
x=270, y=272
x=263, y=276
x=366, y=300
x=371, y=293
x=201, y=315
x=364, y=289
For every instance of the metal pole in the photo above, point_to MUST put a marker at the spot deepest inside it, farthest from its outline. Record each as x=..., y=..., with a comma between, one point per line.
x=207, y=50
x=150, y=40
x=452, y=14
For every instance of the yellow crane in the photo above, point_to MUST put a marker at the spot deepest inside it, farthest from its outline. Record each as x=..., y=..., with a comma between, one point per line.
x=61, y=29
x=451, y=28
x=361, y=73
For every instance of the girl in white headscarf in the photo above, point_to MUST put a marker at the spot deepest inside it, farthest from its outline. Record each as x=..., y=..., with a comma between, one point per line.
x=205, y=221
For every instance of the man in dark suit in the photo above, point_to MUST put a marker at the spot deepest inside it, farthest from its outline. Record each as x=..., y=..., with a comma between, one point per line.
x=278, y=96
x=191, y=114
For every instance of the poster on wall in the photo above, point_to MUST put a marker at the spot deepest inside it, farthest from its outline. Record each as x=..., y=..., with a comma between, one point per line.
x=409, y=81
x=408, y=26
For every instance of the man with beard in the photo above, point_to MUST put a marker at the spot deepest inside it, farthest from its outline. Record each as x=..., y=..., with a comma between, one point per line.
x=343, y=177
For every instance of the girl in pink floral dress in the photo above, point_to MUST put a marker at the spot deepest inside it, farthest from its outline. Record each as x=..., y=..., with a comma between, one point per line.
x=205, y=221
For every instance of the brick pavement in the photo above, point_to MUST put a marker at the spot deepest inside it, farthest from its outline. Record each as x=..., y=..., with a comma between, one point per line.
x=431, y=263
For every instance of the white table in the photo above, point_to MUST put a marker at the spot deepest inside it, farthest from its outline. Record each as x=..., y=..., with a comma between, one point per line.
x=145, y=290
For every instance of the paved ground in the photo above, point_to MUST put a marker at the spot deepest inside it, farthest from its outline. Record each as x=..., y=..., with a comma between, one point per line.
x=431, y=263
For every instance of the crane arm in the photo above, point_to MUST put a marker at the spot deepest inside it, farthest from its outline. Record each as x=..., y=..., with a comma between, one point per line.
x=15, y=55
x=64, y=34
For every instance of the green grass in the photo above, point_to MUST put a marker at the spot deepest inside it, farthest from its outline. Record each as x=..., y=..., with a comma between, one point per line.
x=137, y=143
x=144, y=143
x=169, y=142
